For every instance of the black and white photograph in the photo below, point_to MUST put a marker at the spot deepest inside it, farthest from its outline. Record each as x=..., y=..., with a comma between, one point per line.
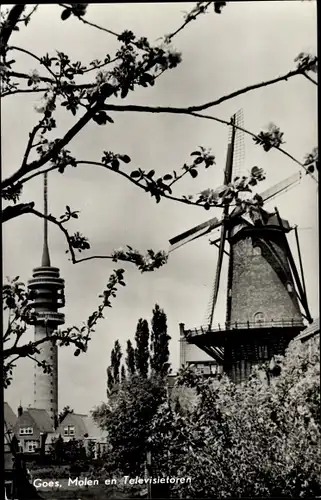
x=160, y=250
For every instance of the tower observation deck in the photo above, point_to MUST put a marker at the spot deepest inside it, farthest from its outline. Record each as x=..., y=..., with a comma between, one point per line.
x=48, y=290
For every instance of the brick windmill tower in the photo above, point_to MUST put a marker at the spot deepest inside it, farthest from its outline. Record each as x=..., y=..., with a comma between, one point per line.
x=266, y=297
x=48, y=289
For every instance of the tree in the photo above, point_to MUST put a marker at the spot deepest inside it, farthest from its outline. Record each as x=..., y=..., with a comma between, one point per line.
x=133, y=402
x=66, y=410
x=251, y=440
x=113, y=371
x=159, y=343
x=67, y=451
x=123, y=374
x=127, y=417
x=141, y=350
x=91, y=449
x=88, y=92
x=130, y=358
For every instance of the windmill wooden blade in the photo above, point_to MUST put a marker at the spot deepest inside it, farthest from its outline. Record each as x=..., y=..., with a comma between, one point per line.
x=194, y=232
x=273, y=191
x=218, y=271
x=278, y=188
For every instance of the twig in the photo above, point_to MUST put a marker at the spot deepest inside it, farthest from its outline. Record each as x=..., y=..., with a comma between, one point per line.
x=52, y=219
x=22, y=351
x=45, y=79
x=24, y=76
x=309, y=78
x=190, y=17
x=30, y=141
x=102, y=65
x=54, y=150
x=187, y=111
x=23, y=91
x=93, y=25
x=202, y=107
x=28, y=16
x=209, y=117
x=19, y=49
x=191, y=110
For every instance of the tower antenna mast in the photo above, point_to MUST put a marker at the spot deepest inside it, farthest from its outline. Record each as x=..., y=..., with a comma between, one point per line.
x=45, y=254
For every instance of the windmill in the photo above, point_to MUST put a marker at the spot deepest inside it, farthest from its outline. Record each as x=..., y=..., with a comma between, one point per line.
x=266, y=296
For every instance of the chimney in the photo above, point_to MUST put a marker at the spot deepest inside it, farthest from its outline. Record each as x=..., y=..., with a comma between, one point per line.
x=20, y=410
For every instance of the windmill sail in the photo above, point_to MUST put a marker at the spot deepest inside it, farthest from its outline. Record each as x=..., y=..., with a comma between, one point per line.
x=239, y=146
x=227, y=179
x=270, y=193
x=194, y=233
x=214, y=223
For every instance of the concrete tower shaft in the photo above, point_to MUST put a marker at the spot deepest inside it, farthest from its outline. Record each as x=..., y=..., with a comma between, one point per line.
x=48, y=297
x=48, y=290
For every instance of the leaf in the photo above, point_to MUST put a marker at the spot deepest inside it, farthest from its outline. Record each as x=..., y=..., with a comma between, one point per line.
x=107, y=89
x=167, y=177
x=195, y=153
x=125, y=158
x=198, y=160
x=218, y=7
x=193, y=173
x=135, y=174
x=65, y=14
x=124, y=92
x=109, y=119
x=150, y=174
x=148, y=78
x=77, y=352
x=100, y=118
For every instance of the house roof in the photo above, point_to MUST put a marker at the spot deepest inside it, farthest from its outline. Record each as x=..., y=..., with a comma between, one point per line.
x=92, y=428
x=9, y=416
x=85, y=425
x=309, y=331
x=41, y=418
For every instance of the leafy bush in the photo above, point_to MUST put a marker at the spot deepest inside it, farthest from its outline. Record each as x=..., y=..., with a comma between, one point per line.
x=260, y=438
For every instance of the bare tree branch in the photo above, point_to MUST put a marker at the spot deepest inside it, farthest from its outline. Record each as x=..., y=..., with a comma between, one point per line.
x=120, y=172
x=28, y=208
x=190, y=110
x=54, y=150
x=32, y=135
x=31, y=54
x=93, y=25
x=45, y=79
x=228, y=123
x=187, y=111
x=23, y=91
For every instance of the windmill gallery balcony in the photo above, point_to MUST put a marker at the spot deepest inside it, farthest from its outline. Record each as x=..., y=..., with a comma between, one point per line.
x=250, y=341
x=224, y=330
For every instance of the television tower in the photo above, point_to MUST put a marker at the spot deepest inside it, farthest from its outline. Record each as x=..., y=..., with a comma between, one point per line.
x=48, y=289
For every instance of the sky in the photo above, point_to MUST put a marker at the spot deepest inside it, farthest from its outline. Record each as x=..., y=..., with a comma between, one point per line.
x=248, y=43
